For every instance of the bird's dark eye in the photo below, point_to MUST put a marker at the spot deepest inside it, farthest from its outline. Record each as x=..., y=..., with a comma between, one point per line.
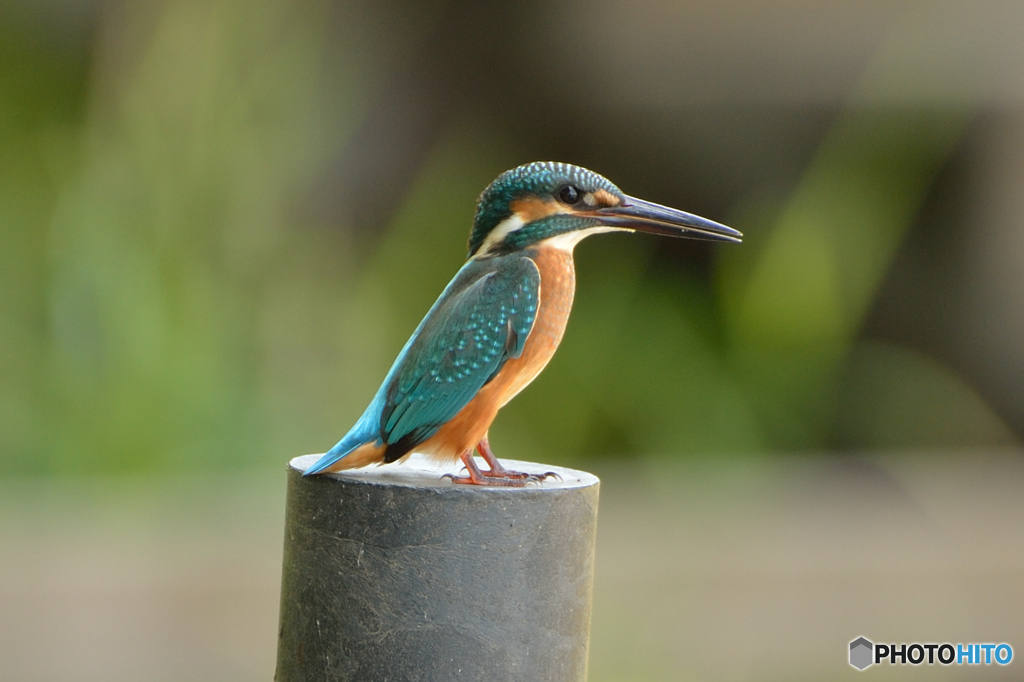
x=569, y=194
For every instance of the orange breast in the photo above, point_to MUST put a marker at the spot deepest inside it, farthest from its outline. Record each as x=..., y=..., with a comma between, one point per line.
x=557, y=288
x=469, y=426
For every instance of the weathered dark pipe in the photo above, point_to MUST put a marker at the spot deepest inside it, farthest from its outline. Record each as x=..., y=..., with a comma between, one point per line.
x=396, y=574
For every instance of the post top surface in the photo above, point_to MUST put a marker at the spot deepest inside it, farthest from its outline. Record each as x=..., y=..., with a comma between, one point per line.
x=419, y=472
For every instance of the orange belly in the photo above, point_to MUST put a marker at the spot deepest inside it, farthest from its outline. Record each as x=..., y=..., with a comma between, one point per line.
x=469, y=426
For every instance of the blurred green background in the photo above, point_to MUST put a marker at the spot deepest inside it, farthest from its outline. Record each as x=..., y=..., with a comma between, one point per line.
x=220, y=221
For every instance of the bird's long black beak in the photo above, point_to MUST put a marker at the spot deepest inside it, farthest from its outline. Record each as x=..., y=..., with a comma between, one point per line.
x=645, y=216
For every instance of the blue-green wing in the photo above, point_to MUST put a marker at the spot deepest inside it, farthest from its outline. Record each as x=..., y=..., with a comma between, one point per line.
x=460, y=347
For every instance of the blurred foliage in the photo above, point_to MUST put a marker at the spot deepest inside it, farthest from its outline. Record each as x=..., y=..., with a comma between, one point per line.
x=146, y=272
x=796, y=297
x=166, y=300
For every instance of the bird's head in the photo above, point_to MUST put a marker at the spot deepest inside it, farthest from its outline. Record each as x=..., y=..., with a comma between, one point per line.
x=563, y=203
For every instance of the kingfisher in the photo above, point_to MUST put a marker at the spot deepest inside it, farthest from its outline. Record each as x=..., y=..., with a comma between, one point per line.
x=498, y=322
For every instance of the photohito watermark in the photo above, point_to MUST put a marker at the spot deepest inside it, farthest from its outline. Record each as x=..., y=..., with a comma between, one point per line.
x=865, y=653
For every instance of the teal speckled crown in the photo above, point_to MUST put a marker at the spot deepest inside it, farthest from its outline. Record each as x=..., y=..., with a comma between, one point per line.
x=536, y=179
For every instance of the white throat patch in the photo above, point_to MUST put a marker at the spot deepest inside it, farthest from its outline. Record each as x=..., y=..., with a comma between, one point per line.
x=569, y=240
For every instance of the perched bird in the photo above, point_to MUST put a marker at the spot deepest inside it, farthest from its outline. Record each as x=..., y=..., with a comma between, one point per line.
x=498, y=322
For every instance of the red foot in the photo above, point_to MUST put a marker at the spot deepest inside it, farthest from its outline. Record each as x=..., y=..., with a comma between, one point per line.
x=498, y=475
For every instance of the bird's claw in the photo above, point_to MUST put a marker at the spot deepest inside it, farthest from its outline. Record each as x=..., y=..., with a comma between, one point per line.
x=497, y=475
x=503, y=479
x=524, y=477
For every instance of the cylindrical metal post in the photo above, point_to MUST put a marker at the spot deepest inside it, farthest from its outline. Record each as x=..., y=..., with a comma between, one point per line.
x=396, y=574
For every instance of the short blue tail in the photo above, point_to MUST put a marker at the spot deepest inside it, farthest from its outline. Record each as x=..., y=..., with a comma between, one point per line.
x=359, y=435
x=367, y=429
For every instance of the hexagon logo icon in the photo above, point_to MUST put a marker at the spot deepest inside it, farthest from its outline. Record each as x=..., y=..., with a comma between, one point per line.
x=861, y=653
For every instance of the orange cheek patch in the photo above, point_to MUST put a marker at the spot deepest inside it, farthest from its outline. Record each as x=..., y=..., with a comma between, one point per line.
x=606, y=198
x=532, y=208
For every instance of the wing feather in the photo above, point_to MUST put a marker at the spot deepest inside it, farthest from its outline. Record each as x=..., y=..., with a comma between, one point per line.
x=460, y=347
